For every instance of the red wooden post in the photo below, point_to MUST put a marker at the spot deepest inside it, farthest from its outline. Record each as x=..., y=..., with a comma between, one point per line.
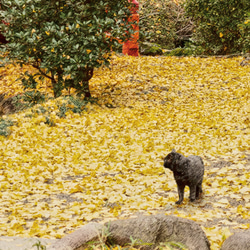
x=131, y=47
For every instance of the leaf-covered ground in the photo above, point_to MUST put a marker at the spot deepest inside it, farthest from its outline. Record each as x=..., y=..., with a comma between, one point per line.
x=106, y=162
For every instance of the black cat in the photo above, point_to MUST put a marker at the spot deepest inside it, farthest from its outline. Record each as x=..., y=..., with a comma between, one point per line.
x=188, y=171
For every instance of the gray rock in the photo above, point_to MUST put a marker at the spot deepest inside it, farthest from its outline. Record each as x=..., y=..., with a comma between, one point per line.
x=237, y=241
x=155, y=229
x=79, y=239
x=19, y=243
x=148, y=231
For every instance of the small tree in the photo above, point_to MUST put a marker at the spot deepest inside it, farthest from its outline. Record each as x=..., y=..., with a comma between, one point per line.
x=64, y=39
x=217, y=24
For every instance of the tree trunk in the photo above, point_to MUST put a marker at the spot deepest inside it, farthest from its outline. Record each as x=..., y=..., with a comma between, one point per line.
x=88, y=73
x=86, y=90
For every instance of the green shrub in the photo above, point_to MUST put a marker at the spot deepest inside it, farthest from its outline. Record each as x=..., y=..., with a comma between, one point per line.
x=4, y=127
x=150, y=49
x=49, y=121
x=31, y=95
x=62, y=109
x=180, y=52
x=74, y=104
x=64, y=39
x=164, y=22
x=217, y=24
x=245, y=31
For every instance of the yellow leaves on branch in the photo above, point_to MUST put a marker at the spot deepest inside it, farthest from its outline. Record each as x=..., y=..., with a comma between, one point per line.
x=107, y=162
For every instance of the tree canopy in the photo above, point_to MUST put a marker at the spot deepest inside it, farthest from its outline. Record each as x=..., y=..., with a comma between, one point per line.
x=65, y=40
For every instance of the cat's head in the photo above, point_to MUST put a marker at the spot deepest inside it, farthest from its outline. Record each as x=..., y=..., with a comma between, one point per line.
x=170, y=160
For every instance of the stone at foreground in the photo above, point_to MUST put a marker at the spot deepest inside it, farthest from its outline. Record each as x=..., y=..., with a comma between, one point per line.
x=237, y=241
x=155, y=229
x=150, y=231
x=19, y=243
x=79, y=239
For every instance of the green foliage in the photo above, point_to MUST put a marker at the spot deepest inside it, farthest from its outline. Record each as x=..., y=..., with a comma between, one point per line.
x=74, y=104
x=173, y=245
x=164, y=22
x=217, y=24
x=245, y=31
x=49, y=121
x=64, y=39
x=33, y=97
x=102, y=238
x=4, y=127
x=28, y=81
x=180, y=52
x=64, y=105
x=62, y=110
x=39, y=246
x=150, y=49
x=27, y=100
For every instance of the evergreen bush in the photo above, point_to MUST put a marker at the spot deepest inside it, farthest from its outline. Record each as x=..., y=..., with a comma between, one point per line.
x=217, y=24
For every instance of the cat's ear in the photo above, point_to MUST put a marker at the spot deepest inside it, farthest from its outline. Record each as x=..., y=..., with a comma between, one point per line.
x=173, y=150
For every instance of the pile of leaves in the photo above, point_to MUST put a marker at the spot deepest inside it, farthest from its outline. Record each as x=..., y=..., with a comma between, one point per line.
x=105, y=161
